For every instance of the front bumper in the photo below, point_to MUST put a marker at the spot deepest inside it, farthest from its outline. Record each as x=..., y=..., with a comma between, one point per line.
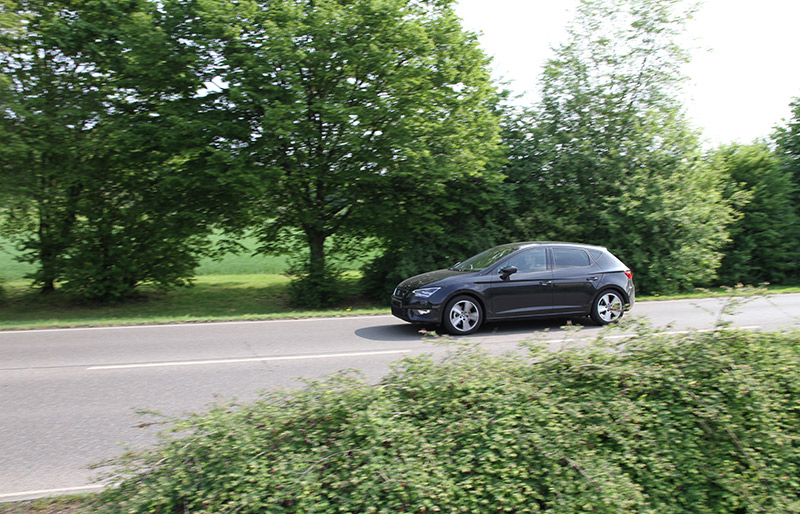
x=414, y=310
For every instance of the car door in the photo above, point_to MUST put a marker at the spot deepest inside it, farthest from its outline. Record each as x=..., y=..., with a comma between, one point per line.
x=575, y=279
x=527, y=292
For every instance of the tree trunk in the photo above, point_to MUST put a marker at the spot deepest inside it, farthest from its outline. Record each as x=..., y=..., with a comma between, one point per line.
x=316, y=264
x=47, y=259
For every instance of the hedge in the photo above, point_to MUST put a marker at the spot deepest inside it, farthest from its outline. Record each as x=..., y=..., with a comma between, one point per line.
x=698, y=423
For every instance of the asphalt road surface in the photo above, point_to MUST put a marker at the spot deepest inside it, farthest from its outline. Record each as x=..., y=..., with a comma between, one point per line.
x=69, y=398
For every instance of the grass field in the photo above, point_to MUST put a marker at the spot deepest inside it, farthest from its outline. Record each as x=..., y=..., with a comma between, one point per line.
x=244, y=263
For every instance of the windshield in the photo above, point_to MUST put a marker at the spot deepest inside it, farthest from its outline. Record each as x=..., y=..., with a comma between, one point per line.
x=485, y=259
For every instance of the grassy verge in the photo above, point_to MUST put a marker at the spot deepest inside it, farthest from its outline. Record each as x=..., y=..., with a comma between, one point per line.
x=716, y=292
x=212, y=298
x=57, y=505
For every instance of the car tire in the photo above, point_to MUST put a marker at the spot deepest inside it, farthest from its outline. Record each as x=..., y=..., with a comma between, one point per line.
x=463, y=315
x=607, y=307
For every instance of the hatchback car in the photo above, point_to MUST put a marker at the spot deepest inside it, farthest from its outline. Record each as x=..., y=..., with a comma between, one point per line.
x=517, y=281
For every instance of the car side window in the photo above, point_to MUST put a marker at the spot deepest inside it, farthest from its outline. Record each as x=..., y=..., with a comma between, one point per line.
x=531, y=260
x=570, y=258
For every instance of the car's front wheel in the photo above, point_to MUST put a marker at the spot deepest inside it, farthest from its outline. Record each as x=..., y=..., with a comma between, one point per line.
x=607, y=308
x=463, y=315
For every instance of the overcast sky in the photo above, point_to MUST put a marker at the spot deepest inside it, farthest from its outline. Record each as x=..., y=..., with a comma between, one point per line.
x=745, y=67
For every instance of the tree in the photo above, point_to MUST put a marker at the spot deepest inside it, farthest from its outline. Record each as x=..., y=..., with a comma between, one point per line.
x=788, y=151
x=608, y=157
x=11, y=25
x=759, y=249
x=52, y=101
x=788, y=141
x=354, y=114
x=113, y=177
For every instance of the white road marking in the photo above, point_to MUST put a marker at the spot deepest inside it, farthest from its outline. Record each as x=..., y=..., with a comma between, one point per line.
x=246, y=359
x=198, y=323
x=358, y=354
x=49, y=492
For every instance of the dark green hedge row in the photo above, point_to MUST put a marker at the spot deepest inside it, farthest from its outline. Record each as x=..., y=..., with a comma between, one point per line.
x=701, y=423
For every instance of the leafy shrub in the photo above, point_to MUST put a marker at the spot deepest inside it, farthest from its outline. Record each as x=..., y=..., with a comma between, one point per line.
x=309, y=290
x=693, y=424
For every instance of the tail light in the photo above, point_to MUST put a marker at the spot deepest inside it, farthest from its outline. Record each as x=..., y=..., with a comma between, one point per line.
x=629, y=274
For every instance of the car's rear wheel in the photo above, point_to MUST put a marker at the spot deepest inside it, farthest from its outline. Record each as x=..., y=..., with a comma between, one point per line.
x=463, y=315
x=607, y=308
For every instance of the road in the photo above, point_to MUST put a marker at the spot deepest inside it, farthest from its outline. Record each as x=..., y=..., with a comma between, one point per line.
x=69, y=397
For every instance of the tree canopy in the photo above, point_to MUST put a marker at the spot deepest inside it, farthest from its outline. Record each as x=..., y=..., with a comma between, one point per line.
x=608, y=156
x=354, y=114
x=763, y=243
x=108, y=164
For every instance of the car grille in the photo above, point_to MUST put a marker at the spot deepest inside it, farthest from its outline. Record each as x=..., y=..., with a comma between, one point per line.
x=400, y=292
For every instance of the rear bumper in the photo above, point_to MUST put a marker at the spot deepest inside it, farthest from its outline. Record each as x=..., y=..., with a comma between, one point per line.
x=631, y=297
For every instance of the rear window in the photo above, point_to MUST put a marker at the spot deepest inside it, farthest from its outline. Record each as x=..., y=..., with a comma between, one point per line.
x=571, y=258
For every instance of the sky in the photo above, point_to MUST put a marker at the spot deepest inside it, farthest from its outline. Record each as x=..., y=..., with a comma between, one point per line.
x=745, y=67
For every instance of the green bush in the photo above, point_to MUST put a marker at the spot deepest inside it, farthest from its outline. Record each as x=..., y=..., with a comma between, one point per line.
x=702, y=423
x=311, y=291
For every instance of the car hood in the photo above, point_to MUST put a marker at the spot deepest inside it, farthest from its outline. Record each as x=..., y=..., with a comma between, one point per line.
x=428, y=278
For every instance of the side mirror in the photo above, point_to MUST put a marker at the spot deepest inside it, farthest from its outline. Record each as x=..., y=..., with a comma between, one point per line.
x=507, y=272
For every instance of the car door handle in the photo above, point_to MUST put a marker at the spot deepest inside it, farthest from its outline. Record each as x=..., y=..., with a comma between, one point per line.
x=546, y=282
x=592, y=279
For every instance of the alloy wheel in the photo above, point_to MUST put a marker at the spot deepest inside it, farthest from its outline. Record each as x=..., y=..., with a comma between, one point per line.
x=464, y=316
x=609, y=307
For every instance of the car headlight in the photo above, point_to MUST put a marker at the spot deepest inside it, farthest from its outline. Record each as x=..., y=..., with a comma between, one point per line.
x=425, y=292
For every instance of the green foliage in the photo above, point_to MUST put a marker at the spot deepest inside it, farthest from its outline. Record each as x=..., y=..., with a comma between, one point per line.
x=609, y=158
x=111, y=177
x=788, y=142
x=788, y=150
x=314, y=290
x=344, y=108
x=11, y=26
x=765, y=240
x=699, y=423
x=445, y=225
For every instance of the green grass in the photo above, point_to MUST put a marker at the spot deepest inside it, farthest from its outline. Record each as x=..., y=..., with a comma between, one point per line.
x=75, y=504
x=242, y=263
x=212, y=298
x=10, y=268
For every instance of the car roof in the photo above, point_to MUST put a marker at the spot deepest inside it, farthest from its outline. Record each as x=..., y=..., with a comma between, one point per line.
x=529, y=244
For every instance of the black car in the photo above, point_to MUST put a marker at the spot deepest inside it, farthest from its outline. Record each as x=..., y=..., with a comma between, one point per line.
x=516, y=281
